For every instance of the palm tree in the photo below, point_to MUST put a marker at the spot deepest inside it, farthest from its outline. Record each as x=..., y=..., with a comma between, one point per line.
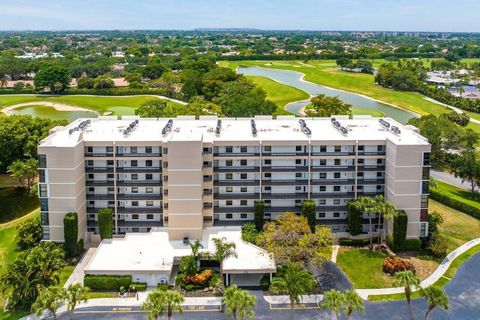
x=386, y=210
x=293, y=281
x=353, y=303
x=334, y=300
x=49, y=298
x=159, y=302
x=407, y=280
x=461, y=91
x=196, y=246
x=74, y=294
x=3, y=83
x=223, y=250
x=436, y=297
x=366, y=205
x=239, y=303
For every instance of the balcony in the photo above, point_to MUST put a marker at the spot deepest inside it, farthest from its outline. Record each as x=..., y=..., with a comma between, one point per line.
x=138, y=169
x=139, y=183
x=236, y=155
x=98, y=154
x=341, y=168
x=138, y=155
x=236, y=169
x=231, y=196
x=285, y=154
x=371, y=181
x=233, y=209
x=373, y=167
x=299, y=168
x=157, y=210
x=289, y=182
x=371, y=153
x=335, y=195
x=99, y=169
x=333, y=181
x=292, y=195
x=237, y=182
x=332, y=154
x=99, y=183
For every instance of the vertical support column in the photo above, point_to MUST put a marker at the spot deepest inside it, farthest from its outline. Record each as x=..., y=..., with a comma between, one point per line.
x=309, y=168
x=260, y=178
x=115, y=191
x=356, y=168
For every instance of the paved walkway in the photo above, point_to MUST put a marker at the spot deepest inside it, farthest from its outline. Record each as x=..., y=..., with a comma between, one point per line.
x=457, y=110
x=77, y=274
x=311, y=298
x=450, y=179
x=335, y=253
x=434, y=277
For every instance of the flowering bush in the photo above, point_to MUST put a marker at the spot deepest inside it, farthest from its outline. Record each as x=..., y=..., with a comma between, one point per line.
x=393, y=264
x=199, y=278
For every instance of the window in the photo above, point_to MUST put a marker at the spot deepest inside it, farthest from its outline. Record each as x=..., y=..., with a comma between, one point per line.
x=298, y=161
x=321, y=215
x=165, y=178
x=149, y=203
x=229, y=149
x=149, y=176
x=336, y=201
x=298, y=148
x=425, y=187
x=298, y=188
x=134, y=189
x=165, y=192
x=323, y=148
x=228, y=163
x=243, y=189
x=41, y=175
x=165, y=150
x=322, y=201
x=267, y=148
x=243, y=202
x=109, y=149
x=336, y=188
x=134, y=176
x=323, y=188
x=135, y=216
x=379, y=148
x=336, y=175
x=44, y=204
x=228, y=176
x=323, y=175
x=109, y=163
x=243, y=149
x=207, y=150
x=229, y=189
x=379, y=188
x=148, y=163
x=336, y=214
x=149, y=190
x=90, y=176
x=268, y=188
x=229, y=202
x=360, y=174
x=337, y=162
x=243, y=176
x=148, y=149
x=91, y=189
x=112, y=203
x=110, y=189
x=361, y=161
x=426, y=158
x=42, y=161
x=379, y=174
x=229, y=216
x=323, y=162
x=360, y=188
x=133, y=163
x=379, y=161
x=361, y=148
x=133, y=149
x=90, y=163
x=268, y=175
x=338, y=148
x=165, y=164
x=134, y=203
x=243, y=162
x=268, y=162
x=110, y=176
x=149, y=216
x=425, y=173
x=298, y=175
x=42, y=190
x=424, y=202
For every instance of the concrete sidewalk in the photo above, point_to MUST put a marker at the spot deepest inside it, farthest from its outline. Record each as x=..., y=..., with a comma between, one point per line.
x=312, y=298
x=434, y=277
x=77, y=274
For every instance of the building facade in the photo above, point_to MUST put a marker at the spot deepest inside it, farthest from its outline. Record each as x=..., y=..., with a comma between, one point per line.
x=184, y=174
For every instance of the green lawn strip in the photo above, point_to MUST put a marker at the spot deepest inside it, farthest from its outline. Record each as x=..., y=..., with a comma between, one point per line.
x=97, y=295
x=443, y=281
x=459, y=194
x=118, y=105
x=13, y=315
x=364, y=268
x=7, y=181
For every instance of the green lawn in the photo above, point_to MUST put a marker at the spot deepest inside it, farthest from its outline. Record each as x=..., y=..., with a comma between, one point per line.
x=364, y=268
x=461, y=195
x=116, y=105
x=324, y=72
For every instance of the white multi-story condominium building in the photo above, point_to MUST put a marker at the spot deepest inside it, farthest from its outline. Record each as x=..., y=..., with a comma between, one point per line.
x=185, y=174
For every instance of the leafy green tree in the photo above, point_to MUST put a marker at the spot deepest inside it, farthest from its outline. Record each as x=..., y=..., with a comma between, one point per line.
x=74, y=294
x=53, y=76
x=354, y=218
x=85, y=83
x=467, y=167
x=293, y=281
x=103, y=81
x=353, y=303
x=407, y=280
x=309, y=212
x=49, y=299
x=436, y=298
x=334, y=300
x=239, y=303
x=366, y=205
x=197, y=107
x=249, y=233
x=223, y=250
x=214, y=79
x=29, y=233
x=435, y=220
x=105, y=223
x=154, y=68
x=25, y=172
x=325, y=106
x=196, y=247
x=385, y=210
x=259, y=214
x=189, y=266
x=159, y=302
x=343, y=62
x=151, y=109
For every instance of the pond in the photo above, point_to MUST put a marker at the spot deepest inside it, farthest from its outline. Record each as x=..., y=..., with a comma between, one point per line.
x=52, y=113
x=294, y=79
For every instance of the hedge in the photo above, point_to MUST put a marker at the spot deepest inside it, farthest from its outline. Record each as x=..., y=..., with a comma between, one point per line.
x=400, y=223
x=356, y=242
x=163, y=287
x=354, y=220
x=70, y=233
x=259, y=211
x=105, y=223
x=309, y=212
x=105, y=282
x=454, y=203
x=411, y=245
x=138, y=286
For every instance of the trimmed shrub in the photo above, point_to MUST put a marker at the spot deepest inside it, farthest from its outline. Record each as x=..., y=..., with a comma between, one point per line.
x=70, y=233
x=29, y=233
x=249, y=233
x=438, y=246
x=80, y=246
x=411, y=245
x=391, y=265
x=309, y=212
x=105, y=223
x=399, y=233
x=454, y=203
x=162, y=287
x=355, y=242
x=354, y=220
x=138, y=286
x=259, y=211
x=106, y=283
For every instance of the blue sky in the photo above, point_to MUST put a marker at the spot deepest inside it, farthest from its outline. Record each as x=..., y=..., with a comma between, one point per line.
x=408, y=15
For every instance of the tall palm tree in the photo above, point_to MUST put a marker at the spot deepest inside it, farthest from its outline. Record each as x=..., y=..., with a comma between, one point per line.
x=239, y=303
x=386, y=210
x=74, y=294
x=160, y=302
x=366, y=205
x=353, y=302
x=293, y=281
x=49, y=299
x=436, y=297
x=334, y=300
x=196, y=246
x=223, y=249
x=407, y=280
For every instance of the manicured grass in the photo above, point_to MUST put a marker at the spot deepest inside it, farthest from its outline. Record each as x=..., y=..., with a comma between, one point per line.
x=14, y=315
x=96, y=295
x=364, y=268
x=65, y=274
x=6, y=181
x=324, y=72
x=461, y=195
x=370, y=112
x=115, y=105
x=458, y=227
x=278, y=93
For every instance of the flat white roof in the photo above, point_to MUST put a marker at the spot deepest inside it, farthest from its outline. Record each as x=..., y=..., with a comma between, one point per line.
x=187, y=128
x=153, y=252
